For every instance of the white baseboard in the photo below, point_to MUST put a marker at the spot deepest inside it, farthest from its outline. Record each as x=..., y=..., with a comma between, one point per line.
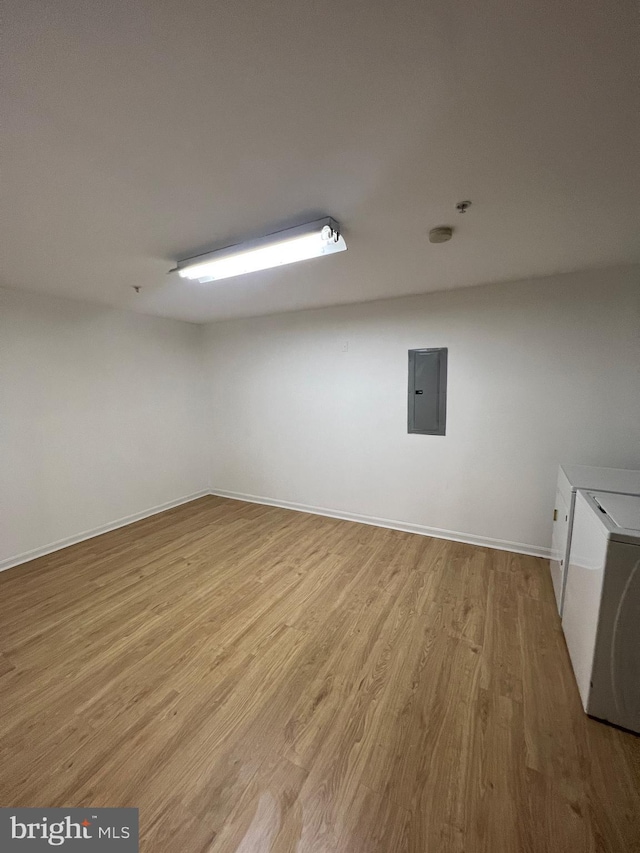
x=10, y=562
x=421, y=529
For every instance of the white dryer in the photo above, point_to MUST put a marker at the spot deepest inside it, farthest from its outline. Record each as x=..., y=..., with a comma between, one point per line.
x=570, y=479
x=601, y=614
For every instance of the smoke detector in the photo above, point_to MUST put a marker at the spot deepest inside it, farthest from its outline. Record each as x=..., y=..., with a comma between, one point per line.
x=441, y=234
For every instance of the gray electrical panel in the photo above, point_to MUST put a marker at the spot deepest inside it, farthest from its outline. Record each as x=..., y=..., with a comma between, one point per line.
x=428, y=391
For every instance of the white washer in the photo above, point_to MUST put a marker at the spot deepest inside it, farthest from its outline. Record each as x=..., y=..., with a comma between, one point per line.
x=570, y=479
x=601, y=614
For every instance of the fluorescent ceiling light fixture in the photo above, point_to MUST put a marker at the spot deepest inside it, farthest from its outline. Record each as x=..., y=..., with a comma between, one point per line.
x=276, y=250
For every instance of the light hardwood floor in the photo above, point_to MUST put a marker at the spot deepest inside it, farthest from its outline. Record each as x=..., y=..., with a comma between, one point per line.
x=254, y=679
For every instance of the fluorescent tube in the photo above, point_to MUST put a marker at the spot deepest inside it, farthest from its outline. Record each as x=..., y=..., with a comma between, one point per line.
x=276, y=250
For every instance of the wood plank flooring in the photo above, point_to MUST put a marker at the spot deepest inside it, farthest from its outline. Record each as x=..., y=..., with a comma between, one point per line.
x=263, y=681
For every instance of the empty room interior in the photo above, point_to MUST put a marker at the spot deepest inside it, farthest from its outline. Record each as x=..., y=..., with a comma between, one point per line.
x=320, y=427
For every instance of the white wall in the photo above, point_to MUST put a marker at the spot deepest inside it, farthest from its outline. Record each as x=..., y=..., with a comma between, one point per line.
x=540, y=372
x=102, y=416
x=105, y=415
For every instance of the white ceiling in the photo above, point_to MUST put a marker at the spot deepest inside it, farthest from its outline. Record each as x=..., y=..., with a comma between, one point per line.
x=140, y=131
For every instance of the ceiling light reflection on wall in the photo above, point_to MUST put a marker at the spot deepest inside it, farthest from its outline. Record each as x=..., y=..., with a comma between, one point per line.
x=275, y=250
